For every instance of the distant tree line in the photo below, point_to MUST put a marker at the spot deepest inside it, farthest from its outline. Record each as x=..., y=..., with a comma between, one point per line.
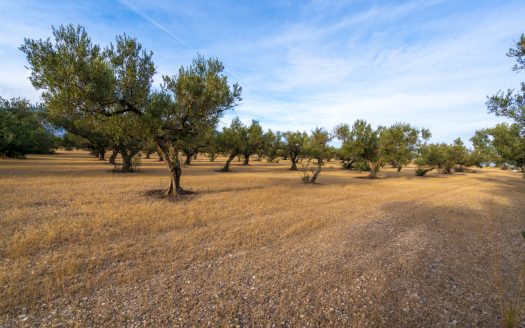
x=102, y=98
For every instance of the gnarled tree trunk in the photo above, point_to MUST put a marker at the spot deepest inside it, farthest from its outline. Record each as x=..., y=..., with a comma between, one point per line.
x=226, y=167
x=113, y=156
x=348, y=165
x=246, y=159
x=422, y=171
x=213, y=157
x=188, y=159
x=293, y=158
x=170, y=156
x=315, y=173
x=174, y=186
x=374, y=169
x=126, y=159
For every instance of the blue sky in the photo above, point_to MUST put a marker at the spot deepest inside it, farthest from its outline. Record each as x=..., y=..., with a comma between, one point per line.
x=304, y=64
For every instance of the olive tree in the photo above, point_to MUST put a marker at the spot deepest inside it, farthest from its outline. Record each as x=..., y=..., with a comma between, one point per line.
x=133, y=69
x=252, y=140
x=189, y=104
x=149, y=147
x=195, y=143
x=70, y=141
x=396, y=144
x=114, y=86
x=317, y=148
x=503, y=143
x=212, y=147
x=272, y=145
x=87, y=127
x=361, y=142
x=294, y=146
x=451, y=155
x=345, y=153
x=484, y=148
x=23, y=129
x=442, y=156
x=457, y=156
x=432, y=156
x=230, y=141
x=81, y=83
x=399, y=143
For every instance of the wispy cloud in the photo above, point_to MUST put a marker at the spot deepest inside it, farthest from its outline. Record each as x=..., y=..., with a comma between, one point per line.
x=307, y=64
x=329, y=77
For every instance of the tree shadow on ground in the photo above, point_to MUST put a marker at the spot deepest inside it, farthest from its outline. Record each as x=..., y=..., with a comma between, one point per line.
x=161, y=194
x=465, y=260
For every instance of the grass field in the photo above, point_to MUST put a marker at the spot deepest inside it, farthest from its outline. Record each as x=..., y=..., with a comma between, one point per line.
x=80, y=245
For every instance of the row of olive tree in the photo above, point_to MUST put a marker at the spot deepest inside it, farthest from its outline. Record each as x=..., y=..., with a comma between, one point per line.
x=239, y=139
x=362, y=147
x=105, y=96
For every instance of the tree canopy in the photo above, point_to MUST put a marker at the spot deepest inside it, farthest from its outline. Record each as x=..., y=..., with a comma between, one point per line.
x=502, y=144
x=230, y=141
x=294, y=146
x=511, y=103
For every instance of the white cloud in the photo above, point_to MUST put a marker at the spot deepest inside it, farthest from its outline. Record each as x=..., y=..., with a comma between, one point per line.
x=440, y=83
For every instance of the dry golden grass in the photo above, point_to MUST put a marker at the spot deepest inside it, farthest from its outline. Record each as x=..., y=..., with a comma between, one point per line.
x=255, y=247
